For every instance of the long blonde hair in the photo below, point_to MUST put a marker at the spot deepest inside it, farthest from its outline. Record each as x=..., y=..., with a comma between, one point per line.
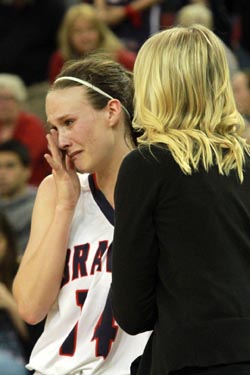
x=108, y=41
x=184, y=99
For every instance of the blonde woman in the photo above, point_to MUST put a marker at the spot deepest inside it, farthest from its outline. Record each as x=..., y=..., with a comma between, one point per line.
x=181, y=251
x=82, y=32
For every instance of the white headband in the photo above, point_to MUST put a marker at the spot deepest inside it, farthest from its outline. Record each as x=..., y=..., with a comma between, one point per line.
x=85, y=83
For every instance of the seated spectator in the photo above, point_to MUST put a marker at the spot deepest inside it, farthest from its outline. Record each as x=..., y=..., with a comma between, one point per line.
x=198, y=13
x=133, y=21
x=242, y=9
x=16, y=195
x=13, y=331
x=241, y=89
x=222, y=17
x=15, y=123
x=82, y=32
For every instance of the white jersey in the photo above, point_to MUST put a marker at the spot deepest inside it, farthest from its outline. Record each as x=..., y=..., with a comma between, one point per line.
x=80, y=331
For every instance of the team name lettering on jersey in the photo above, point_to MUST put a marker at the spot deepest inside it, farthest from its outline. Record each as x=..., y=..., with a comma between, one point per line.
x=80, y=255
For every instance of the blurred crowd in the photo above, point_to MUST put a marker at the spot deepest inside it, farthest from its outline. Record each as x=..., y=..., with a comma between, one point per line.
x=36, y=39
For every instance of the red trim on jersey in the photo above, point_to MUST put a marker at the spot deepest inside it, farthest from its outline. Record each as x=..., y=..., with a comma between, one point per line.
x=95, y=181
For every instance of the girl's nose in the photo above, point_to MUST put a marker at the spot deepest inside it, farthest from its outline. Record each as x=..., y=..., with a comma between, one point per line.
x=63, y=140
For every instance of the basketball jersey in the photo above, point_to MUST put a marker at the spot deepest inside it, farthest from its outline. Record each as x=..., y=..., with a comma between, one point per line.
x=80, y=332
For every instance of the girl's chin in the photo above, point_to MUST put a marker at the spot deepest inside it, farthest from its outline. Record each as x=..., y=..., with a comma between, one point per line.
x=80, y=169
x=83, y=168
x=79, y=166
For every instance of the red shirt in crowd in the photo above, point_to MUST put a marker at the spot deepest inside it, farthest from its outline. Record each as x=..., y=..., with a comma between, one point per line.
x=30, y=130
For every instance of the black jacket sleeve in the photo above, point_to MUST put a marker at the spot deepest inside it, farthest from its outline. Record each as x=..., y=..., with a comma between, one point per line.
x=135, y=245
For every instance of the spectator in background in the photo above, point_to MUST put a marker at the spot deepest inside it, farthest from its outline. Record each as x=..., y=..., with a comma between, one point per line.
x=16, y=123
x=241, y=89
x=82, y=32
x=133, y=21
x=222, y=23
x=16, y=202
x=16, y=195
x=13, y=331
x=242, y=8
x=199, y=13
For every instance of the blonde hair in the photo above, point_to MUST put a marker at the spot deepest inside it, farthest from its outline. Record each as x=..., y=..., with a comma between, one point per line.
x=108, y=41
x=184, y=99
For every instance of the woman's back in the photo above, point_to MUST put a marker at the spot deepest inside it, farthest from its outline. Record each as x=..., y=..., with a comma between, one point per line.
x=195, y=230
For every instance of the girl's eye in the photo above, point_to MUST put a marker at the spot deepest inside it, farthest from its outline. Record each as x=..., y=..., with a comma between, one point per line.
x=68, y=122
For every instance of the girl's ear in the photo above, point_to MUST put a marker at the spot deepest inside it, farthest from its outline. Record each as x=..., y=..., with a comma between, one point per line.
x=114, y=111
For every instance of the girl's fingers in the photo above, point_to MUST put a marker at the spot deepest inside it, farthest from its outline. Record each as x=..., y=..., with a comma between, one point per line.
x=56, y=153
x=68, y=163
x=57, y=159
x=50, y=161
x=54, y=136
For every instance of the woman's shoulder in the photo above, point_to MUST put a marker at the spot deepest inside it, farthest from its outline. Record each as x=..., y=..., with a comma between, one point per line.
x=153, y=160
x=152, y=154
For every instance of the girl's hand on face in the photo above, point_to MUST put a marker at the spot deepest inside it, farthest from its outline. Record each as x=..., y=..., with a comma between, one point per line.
x=63, y=170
